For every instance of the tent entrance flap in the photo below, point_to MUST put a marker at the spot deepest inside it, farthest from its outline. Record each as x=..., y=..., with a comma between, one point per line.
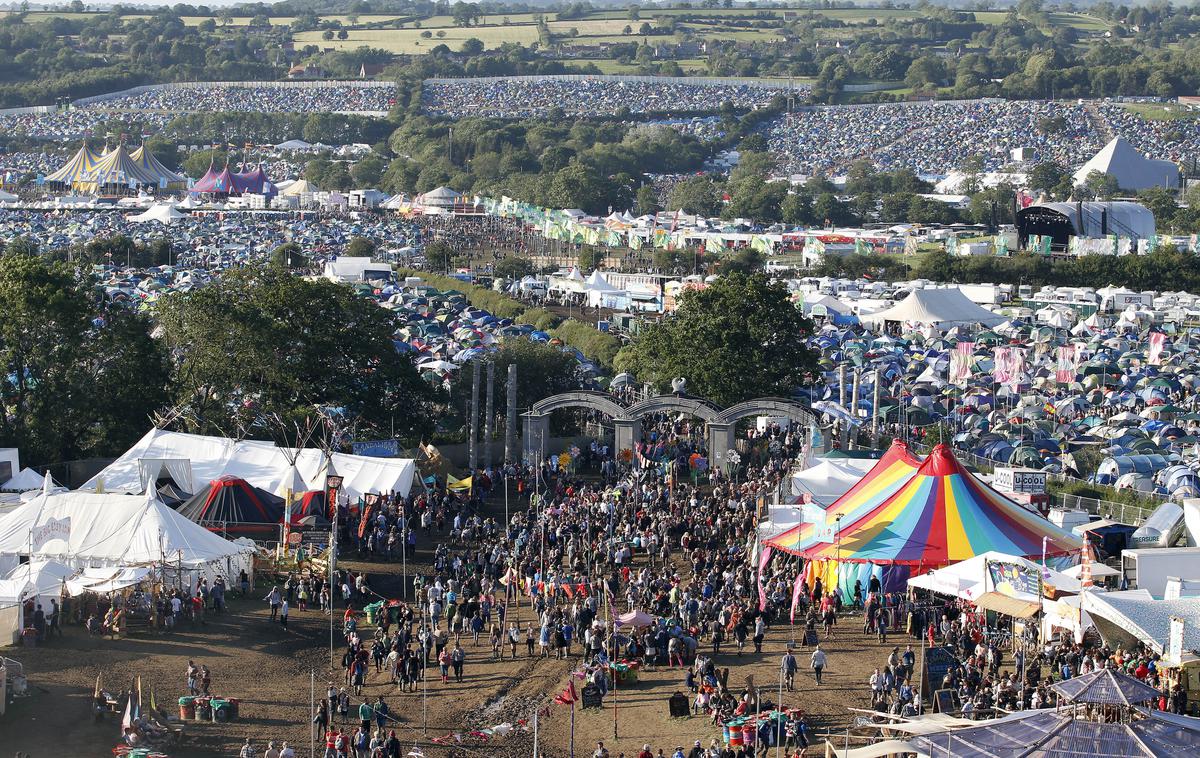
x=179, y=469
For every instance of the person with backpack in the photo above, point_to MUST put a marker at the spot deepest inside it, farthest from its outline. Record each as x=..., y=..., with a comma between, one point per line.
x=818, y=661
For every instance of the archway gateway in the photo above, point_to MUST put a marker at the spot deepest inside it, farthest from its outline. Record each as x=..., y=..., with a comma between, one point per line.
x=628, y=421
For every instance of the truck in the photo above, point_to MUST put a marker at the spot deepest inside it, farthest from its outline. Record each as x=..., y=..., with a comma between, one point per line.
x=1149, y=568
x=985, y=294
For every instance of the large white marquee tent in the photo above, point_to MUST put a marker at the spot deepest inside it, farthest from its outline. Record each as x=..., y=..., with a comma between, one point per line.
x=194, y=460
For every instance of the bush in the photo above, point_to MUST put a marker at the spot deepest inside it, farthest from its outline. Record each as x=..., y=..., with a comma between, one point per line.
x=540, y=318
x=597, y=345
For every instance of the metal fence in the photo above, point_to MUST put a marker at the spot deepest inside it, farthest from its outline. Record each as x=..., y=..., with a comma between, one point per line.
x=712, y=81
x=1134, y=515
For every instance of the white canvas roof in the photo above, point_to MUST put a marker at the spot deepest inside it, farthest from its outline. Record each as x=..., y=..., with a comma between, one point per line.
x=163, y=214
x=966, y=579
x=260, y=463
x=1138, y=614
x=1131, y=169
x=87, y=529
x=25, y=480
x=44, y=578
x=830, y=479
x=937, y=307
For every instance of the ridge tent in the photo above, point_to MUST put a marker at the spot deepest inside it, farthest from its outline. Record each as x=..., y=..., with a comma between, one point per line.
x=230, y=505
x=259, y=462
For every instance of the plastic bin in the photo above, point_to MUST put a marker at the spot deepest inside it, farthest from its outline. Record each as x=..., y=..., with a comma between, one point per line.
x=187, y=708
x=234, y=704
x=221, y=711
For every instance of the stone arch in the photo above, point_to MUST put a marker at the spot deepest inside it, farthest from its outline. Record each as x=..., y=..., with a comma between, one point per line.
x=537, y=420
x=596, y=401
x=769, y=406
x=679, y=403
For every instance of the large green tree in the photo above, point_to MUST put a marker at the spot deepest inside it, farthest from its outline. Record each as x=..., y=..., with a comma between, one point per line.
x=258, y=345
x=75, y=381
x=737, y=339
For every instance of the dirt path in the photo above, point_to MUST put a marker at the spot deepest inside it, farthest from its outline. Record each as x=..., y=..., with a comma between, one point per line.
x=269, y=669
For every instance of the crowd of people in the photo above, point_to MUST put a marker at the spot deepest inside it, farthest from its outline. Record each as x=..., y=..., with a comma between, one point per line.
x=325, y=97
x=1176, y=139
x=584, y=96
x=75, y=124
x=932, y=138
x=638, y=568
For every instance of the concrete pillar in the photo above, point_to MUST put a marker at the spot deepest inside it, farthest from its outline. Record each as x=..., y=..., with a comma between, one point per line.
x=628, y=432
x=536, y=436
x=720, y=442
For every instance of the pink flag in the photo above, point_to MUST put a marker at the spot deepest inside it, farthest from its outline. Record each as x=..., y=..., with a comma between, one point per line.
x=1157, y=342
x=796, y=590
x=1065, y=371
x=762, y=565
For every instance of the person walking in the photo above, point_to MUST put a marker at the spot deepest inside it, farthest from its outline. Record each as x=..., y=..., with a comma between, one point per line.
x=457, y=658
x=193, y=677
x=818, y=662
x=283, y=614
x=381, y=712
x=247, y=750
x=788, y=668
x=274, y=597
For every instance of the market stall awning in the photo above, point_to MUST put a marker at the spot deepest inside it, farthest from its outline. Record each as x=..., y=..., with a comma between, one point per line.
x=1008, y=606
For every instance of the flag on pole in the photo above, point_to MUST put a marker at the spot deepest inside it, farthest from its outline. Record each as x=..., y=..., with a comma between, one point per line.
x=797, y=588
x=1157, y=342
x=567, y=696
x=762, y=565
x=961, y=361
x=1065, y=371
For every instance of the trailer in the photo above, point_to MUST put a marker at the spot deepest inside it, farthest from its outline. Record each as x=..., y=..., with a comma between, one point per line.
x=1149, y=568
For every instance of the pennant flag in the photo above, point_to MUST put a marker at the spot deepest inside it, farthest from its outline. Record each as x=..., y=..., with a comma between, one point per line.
x=1157, y=342
x=1065, y=370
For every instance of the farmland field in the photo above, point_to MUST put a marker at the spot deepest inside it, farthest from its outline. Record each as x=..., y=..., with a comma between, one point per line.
x=410, y=42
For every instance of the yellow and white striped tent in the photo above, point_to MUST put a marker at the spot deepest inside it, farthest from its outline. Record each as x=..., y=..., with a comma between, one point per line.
x=81, y=165
x=149, y=163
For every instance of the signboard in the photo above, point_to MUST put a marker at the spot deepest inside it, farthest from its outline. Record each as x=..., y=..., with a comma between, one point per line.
x=1010, y=578
x=937, y=662
x=6, y=471
x=1175, y=641
x=678, y=705
x=1026, y=481
x=54, y=529
x=591, y=697
x=377, y=448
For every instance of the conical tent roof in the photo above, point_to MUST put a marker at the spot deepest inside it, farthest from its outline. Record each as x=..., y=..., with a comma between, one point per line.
x=81, y=164
x=1106, y=687
x=216, y=182
x=233, y=505
x=115, y=169
x=147, y=161
x=300, y=187
x=942, y=515
x=884, y=479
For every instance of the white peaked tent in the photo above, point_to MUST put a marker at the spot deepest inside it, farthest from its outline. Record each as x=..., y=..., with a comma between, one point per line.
x=830, y=479
x=1131, y=169
x=260, y=463
x=86, y=530
x=25, y=480
x=162, y=213
x=943, y=308
x=8, y=197
x=598, y=289
x=969, y=579
x=300, y=187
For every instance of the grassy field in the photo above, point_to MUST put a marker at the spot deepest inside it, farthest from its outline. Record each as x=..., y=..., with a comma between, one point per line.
x=410, y=42
x=1160, y=112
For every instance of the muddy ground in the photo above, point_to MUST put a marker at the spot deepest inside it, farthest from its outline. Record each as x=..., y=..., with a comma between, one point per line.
x=271, y=671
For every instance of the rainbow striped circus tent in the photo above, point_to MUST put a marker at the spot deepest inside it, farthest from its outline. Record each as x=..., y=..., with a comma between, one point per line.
x=883, y=480
x=114, y=171
x=938, y=515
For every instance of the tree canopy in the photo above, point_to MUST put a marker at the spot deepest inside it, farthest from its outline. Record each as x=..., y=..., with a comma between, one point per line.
x=261, y=344
x=77, y=381
x=737, y=339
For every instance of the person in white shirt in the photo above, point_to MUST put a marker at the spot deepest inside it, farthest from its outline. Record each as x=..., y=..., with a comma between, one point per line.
x=272, y=751
x=818, y=662
x=287, y=752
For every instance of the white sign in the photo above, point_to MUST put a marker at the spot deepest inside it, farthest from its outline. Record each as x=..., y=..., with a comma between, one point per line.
x=1175, y=641
x=54, y=529
x=1023, y=480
